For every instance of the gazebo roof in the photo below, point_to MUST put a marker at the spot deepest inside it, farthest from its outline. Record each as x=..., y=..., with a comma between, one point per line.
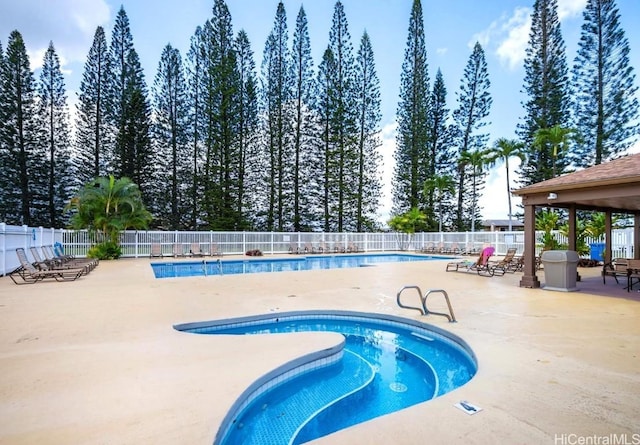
x=614, y=185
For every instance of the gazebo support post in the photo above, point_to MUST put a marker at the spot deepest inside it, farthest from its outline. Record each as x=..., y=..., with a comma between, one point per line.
x=573, y=233
x=572, y=228
x=636, y=236
x=607, y=236
x=529, y=278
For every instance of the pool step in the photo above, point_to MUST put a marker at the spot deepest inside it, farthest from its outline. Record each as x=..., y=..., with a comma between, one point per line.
x=280, y=413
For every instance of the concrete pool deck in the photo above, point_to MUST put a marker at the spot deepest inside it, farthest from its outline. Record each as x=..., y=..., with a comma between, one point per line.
x=97, y=361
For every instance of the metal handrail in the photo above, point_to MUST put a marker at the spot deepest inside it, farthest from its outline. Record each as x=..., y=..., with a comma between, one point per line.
x=423, y=300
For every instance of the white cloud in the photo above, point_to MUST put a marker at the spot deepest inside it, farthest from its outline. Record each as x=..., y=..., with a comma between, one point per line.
x=512, y=49
x=442, y=51
x=494, y=201
x=70, y=24
x=570, y=8
x=512, y=32
x=484, y=37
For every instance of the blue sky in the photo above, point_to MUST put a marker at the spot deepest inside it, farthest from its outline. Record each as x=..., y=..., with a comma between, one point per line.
x=451, y=27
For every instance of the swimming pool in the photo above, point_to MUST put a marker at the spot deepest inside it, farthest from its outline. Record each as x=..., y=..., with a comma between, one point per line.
x=208, y=267
x=385, y=364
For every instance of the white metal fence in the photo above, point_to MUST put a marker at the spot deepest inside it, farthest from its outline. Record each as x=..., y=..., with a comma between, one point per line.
x=138, y=243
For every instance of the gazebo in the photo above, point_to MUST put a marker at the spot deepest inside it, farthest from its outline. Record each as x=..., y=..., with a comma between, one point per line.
x=612, y=187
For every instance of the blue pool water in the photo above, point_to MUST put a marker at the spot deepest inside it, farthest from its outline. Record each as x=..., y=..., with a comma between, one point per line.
x=388, y=363
x=227, y=267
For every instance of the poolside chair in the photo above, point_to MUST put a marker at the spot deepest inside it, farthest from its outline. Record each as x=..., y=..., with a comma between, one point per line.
x=453, y=249
x=156, y=250
x=56, y=263
x=339, y=248
x=295, y=249
x=195, y=250
x=30, y=274
x=481, y=265
x=68, y=260
x=517, y=264
x=214, y=250
x=502, y=266
x=38, y=262
x=353, y=248
x=178, y=250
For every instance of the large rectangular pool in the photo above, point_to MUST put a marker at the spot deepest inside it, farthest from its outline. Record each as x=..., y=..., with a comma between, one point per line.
x=212, y=266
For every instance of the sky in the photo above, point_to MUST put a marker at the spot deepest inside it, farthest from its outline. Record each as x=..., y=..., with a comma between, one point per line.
x=451, y=28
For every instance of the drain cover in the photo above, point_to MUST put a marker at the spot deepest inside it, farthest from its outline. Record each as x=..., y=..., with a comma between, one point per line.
x=398, y=387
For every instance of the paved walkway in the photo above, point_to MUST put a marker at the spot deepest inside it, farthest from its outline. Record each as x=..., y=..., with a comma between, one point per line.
x=97, y=361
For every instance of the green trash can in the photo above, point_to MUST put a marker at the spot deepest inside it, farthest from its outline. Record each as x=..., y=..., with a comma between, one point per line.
x=560, y=270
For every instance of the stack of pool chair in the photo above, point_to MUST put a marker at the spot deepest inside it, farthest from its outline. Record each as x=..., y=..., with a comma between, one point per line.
x=54, y=261
x=30, y=274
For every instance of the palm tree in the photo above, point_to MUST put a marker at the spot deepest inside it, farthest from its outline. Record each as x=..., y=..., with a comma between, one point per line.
x=547, y=221
x=439, y=185
x=407, y=223
x=503, y=149
x=558, y=137
x=105, y=206
x=478, y=160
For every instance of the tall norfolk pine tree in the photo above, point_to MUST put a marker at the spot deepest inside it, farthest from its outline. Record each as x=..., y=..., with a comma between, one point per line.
x=546, y=84
x=343, y=121
x=411, y=156
x=443, y=155
x=277, y=93
x=304, y=140
x=195, y=80
x=221, y=113
x=325, y=103
x=474, y=104
x=605, y=104
x=130, y=110
x=94, y=134
x=368, y=141
x=56, y=188
x=170, y=136
x=249, y=155
x=19, y=133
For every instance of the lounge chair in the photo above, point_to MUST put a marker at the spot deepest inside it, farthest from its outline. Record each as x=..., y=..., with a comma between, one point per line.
x=481, y=265
x=156, y=250
x=454, y=249
x=38, y=262
x=214, y=250
x=195, y=250
x=502, y=266
x=339, y=248
x=68, y=260
x=353, y=248
x=295, y=249
x=30, y=274
x=54, y=263
x=178, y=250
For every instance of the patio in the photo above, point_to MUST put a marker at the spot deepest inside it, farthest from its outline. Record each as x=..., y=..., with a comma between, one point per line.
x=97, y=360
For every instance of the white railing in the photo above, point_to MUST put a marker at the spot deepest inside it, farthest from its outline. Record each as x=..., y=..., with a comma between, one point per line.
x=137, y=244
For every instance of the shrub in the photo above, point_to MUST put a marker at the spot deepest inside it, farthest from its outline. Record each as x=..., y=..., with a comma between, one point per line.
x=107, y=250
